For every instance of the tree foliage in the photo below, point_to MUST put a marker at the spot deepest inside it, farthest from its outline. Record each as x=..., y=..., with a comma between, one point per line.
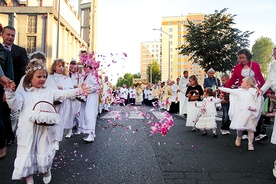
x=127, y=80
x=262, y=50
x=155, y=71
x=137, y=75
x=214, y=43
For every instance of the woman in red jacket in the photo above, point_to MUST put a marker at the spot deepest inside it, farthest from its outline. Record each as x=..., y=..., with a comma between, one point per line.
x=247, y=68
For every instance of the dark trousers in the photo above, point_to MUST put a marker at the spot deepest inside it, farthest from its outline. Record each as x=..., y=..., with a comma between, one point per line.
x=2, y=129
x=225, y=117
x=132, y=101
x=6, y=119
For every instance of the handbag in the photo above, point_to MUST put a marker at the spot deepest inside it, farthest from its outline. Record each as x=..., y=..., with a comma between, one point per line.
x=194, y=96
x=45, y=117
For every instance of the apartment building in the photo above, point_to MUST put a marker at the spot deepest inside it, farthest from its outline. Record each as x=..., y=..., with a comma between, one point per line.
x=150, y=52
x=51, y=26
x=173, y=64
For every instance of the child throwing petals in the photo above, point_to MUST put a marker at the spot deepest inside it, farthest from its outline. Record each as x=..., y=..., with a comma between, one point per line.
x=245, y=109
x=89, y=108
x=35, y=143
x=207, y=120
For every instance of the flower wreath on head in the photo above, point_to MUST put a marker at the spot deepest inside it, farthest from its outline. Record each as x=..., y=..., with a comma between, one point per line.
x=36, y=52
x=34, y=68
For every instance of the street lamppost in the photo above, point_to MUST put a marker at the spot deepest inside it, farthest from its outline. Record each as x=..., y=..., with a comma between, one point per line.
x=169, y=67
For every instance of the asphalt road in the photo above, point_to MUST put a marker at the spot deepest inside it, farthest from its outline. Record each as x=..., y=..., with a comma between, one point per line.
x=124, y=151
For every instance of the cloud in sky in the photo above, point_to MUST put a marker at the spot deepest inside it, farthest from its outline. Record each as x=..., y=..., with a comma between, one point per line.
x=124, y=24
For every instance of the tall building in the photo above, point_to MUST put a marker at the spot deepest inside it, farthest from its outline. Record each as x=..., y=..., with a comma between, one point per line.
x=150, y=52
x=51, y=26
x=173, y=64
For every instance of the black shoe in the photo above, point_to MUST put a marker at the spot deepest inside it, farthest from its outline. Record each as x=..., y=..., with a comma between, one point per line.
x=215, y=135
x=204, y=133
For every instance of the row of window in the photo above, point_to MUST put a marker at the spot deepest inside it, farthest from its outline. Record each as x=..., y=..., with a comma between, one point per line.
x=185, y=22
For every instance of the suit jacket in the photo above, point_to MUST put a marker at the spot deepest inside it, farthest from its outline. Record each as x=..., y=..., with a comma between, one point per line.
x=6, y=62
x=20, y=61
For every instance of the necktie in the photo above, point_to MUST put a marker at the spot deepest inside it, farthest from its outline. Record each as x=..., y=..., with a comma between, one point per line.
x=7, y=47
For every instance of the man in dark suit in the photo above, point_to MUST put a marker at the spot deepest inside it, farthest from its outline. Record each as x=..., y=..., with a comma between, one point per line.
x=20, y=61
x=19, y=54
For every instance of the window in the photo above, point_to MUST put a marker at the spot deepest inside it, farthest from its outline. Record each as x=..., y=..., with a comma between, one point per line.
x=179, y=56
x=157, y=46
x=156, y=55
x=171, y=36
x=32, y=23
x=170, y=29
x=152, y=50
x=31, y=44
x=170, y=23
x=156, y=50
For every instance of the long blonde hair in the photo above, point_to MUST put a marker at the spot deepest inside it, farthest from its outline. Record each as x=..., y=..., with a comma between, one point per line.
x=56, y=61
x=251, y=81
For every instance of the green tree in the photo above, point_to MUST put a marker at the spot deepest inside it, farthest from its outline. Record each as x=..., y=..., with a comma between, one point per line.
x=153, y=70
x=127, y=80
x=137, y=75
x=214, y=42
x=262, y=50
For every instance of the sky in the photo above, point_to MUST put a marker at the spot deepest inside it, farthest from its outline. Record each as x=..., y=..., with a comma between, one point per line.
x=124, y=24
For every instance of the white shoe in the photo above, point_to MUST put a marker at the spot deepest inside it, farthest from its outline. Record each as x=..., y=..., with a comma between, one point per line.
x=223, y=132
x=47, y=179
x=78, y=132
x=56, y=145
x=89, y=139
x=70, y=133
x=261, y=137
x=227, y=132
x=250, y=147
x=244, y=137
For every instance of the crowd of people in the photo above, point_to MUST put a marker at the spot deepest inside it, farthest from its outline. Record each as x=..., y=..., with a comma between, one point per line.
x=41, y=105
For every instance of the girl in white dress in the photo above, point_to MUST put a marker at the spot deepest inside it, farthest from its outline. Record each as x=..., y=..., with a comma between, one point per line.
x=89, y=108
x=207, y=120
x=74, y=74
x=35, y=143
x=192, y=110
x=60, y=79
x=271, y=83
x=245, y=109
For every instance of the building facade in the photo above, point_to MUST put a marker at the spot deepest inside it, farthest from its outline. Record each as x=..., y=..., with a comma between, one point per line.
x=50, y=26
x=173, y=64
x=150, y=52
